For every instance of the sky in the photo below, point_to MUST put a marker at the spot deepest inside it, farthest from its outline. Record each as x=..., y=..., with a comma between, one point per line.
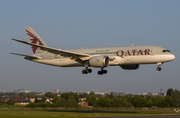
x=73, y=24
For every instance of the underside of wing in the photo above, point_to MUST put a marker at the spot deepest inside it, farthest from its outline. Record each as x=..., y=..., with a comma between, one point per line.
x=31, y=56
x=64, y=53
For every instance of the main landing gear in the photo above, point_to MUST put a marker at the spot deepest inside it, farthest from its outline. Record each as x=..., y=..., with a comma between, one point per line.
x=86, y=71
x=101, y=72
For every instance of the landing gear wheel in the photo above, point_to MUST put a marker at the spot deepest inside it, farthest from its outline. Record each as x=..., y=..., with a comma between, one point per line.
x=158, y=68
x=104, y=71
x=84, y=72
x=100, y=73
x=88, y=70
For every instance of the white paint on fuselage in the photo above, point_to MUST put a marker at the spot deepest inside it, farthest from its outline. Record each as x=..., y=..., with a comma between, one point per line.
x=126, y=56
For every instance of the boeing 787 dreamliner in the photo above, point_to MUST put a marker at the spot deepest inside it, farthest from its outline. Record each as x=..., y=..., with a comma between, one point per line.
x=129, y=57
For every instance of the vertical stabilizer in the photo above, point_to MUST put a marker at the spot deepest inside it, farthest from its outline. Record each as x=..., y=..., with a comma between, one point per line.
x=34, y=38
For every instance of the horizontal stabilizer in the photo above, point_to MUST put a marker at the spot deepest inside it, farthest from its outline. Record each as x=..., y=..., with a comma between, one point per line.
x=31, y=56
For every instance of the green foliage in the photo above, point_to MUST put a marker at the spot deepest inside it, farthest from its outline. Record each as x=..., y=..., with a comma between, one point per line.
x=170, y=92
x=9, y=102
x=100, y=101
x=49, y=95
x=120, y=102
x=21, y=94
x=41, y=105
x=149, y=103
x=67, y=95
x=51, y=105
x=72, y=102
x=31, y=104
x=141, y=102
x=61, y=102
x=55, y=98
x=88, y=96
x=110, y=96
x=92, y=99
x=83, y=96
x=107, y=103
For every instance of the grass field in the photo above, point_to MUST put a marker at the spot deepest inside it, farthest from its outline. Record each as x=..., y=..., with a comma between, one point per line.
x=22, y=112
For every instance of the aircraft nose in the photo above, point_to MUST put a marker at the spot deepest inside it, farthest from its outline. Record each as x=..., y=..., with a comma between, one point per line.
x=172, y=57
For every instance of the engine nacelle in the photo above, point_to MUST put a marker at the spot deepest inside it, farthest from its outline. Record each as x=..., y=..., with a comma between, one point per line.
x=130, y=67
x=99, y=61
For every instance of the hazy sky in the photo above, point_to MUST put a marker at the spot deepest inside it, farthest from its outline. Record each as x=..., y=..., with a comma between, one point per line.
x=70, y=24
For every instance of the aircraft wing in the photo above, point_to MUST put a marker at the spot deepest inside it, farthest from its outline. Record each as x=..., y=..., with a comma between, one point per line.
x=31, y=56
x=58, y=52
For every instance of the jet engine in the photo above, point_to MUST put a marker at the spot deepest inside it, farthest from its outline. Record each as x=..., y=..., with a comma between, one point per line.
x=99, y=61
x=130, y=67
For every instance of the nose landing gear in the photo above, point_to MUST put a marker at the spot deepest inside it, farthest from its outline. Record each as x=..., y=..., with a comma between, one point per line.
x=159, y=64
x=158, y=68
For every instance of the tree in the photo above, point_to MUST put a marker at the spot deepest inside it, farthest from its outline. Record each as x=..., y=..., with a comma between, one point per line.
x=83, y=95
x=67, y=95
x=154, y=101
x=92, y=99
x=141, y=102
x=72, y=102
x=120, y=102
x=107, y=103
x=61, y=102
x=101, y=101
x=170, y=92
x=21, y=94
x=9, y=102
x=149, y=103
x=49, y=95
x=55, y=99
x=169, y=101
x=88, y=96
x=110, y=96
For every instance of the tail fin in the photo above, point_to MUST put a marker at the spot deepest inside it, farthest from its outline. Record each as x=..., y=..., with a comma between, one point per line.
x=34, y=38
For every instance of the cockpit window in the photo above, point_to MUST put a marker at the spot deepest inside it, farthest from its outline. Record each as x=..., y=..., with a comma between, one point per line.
x=165, y=51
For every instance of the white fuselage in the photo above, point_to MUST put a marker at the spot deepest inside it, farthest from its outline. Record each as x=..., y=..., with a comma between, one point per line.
x=118, y=56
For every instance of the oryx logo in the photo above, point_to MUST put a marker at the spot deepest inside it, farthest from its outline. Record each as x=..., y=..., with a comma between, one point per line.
x=33, y=39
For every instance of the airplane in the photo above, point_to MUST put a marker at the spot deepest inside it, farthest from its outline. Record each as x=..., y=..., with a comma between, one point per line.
x=127, y=57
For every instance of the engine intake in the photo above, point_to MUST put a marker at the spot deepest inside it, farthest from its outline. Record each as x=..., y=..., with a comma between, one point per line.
x=130, y=67
x=99, y=61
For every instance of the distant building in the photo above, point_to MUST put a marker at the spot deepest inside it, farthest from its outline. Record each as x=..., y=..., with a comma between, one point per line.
x=32, y=100
x=99, y=93
x=23, y=102
x=18, y=98
x=145, y=94
x=49, y=101
x=82, y=99
x=40, y=94
x=161, y=94
x=153, y=94
x=3, y=91
x=118, y=94
x=20, y=91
